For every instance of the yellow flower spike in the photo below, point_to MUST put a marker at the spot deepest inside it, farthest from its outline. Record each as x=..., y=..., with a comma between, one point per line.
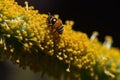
x=74, y=49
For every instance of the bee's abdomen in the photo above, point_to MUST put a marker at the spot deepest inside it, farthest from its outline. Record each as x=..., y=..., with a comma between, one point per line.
x=60, y=29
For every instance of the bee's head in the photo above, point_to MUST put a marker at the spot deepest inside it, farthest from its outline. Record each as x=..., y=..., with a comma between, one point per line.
x=51, y=20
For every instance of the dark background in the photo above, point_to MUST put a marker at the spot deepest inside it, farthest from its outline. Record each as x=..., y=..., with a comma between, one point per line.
x=89, y=16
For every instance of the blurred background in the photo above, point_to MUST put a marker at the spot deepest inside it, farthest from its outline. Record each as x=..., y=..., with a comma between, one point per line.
x=89, y=16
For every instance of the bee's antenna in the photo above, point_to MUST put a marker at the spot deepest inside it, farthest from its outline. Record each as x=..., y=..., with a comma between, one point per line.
x=49, y=15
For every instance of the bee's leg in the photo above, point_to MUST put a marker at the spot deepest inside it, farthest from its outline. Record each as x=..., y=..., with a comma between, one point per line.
x=54, y=32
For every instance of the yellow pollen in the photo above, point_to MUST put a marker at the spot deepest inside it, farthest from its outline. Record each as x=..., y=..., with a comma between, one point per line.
x=17, y=61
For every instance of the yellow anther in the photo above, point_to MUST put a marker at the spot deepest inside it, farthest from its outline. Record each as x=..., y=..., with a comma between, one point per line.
x=59, y=53
x=71, y=23
x=26, y=45
x=20, y=37
x=26, y=39
x=65, y=56
x=4, y=17
x=30, y=43
x=8, y=35
x=35, y=39
x=67, y=61
x=80, y=66
x=46, y=46
x=64, y=50
x=32, y=34
x=3, y=25
x=92, y=63
x=32, y=7
x=24, y=33
x=56, y=16
x=60, y=58
x=18, y=31
x=42, y=48
x=17, y=61
x=5, y=48
x=48, y=43
x=71, y=58
x=51, y=52
x=69, y=50
x=1, y=41
x=0, y=19
x=12, y=50
x=92, y=74
x=74, y=52
x=68, y=70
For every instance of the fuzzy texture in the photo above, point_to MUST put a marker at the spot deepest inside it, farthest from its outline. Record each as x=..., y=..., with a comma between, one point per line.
x=26, y=39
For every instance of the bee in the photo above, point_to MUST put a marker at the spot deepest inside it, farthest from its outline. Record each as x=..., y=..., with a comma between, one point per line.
x=55, y=24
